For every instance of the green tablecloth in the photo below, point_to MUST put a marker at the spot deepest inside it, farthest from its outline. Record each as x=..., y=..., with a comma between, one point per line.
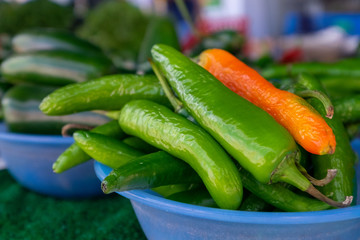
x=28, y=215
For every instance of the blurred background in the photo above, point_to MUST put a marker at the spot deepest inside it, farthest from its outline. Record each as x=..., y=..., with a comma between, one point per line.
x=288, y=30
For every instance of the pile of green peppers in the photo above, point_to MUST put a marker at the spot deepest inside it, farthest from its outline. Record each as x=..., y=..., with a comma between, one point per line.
x=43, y=60
x=193, y=140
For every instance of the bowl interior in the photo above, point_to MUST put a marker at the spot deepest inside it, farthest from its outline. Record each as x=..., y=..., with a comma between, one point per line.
x=152, y=199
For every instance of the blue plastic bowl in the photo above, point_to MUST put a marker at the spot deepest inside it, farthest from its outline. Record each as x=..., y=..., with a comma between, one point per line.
x=161, y=218
x=29, y=160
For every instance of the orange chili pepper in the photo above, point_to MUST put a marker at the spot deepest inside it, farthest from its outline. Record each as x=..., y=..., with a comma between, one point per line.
x=303, y=122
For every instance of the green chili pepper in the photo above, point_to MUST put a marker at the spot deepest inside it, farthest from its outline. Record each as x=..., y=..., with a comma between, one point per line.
x=106, y=93
x=249, y=134
x=280, y=196
x=105, y=149
x=344, y=157
x=53, y=67
x=314, y=68
x=200, y=197
x=255, y=204
x=149, y=171
x=140, y=145
x=74, y=155
x=174, y=134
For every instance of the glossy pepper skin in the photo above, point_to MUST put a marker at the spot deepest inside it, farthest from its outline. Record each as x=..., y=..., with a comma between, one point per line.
x=74, y=155
x=247, y=133
x=303, y=122
x=105, y=149
x=174, y=134
x=149, y=171
x=344, y=157
x=106, y=93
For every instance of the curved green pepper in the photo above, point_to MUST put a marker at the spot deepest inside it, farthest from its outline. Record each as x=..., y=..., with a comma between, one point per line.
x=22, y=114
x=171, y=132
x=74, y=155
x=53, y=67
x=149, y=171
x=344, y=157
x=106, y=93
x=105, y=149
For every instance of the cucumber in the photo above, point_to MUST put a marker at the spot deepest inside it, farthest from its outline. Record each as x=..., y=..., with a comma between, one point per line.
x=22, y=113
x=52, y=39
x=53, y=67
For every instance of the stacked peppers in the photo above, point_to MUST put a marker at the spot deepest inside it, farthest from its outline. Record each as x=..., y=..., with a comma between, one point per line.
x=192, y=135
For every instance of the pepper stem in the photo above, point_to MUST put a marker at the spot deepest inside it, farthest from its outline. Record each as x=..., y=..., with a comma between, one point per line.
x=288, y=172
x=322, y=97
x=331, y=173
x=174, y=101
x=317, y=194
x=71, y=126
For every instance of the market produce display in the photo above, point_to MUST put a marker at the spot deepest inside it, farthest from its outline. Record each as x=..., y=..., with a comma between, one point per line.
x=261, y=155
x=203, y=126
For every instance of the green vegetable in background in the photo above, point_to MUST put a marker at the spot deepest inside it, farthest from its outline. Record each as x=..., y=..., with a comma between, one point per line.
x=22, y=114
x=229, y=40
x=105, y=93
x=174, y=134
x=53, y=67
x=117, y=27
x=16, y=17
x=52, y=39
x=159, y=30
x=314, y=68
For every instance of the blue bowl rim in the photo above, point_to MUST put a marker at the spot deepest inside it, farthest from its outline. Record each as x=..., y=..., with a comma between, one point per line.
x=34, y=138
x=148, y=197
